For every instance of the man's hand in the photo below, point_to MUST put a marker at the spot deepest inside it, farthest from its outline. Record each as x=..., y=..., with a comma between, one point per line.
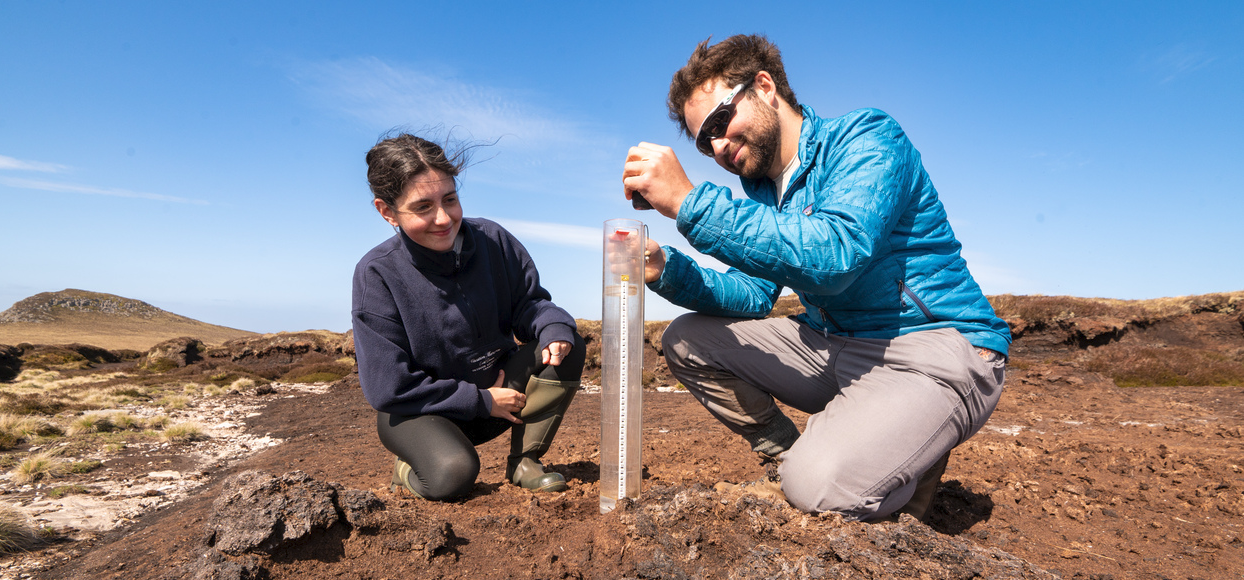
x=654, y=261
x=654, y=171
x=506, y=402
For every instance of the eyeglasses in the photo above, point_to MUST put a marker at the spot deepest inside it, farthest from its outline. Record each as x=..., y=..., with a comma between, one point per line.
x=715, y=124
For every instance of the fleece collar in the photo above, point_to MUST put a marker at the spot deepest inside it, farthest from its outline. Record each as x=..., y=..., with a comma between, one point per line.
x=441, y=263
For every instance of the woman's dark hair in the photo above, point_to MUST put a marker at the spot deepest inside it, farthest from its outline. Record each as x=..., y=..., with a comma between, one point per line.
x=398, y=158
x=733, y=60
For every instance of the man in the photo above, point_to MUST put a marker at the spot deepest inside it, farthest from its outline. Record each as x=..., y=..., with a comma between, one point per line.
x=899, y=356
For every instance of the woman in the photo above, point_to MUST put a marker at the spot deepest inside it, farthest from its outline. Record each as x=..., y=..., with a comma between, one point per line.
x=436, y=310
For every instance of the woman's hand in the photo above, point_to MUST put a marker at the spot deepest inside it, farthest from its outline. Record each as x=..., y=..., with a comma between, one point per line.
x=506, y=402
x=555, y=352
x=654, y=261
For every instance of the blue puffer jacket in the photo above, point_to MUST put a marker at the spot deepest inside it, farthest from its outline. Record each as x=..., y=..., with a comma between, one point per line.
x=859, y=235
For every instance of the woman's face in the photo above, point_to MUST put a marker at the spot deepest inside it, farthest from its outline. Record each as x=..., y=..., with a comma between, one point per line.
x=427, y=211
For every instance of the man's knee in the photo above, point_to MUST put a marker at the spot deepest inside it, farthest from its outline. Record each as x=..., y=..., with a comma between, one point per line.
x=824, y=484
x=682, y=334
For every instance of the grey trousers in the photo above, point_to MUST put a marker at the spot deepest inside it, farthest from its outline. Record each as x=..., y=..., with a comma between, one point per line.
x=882, y=411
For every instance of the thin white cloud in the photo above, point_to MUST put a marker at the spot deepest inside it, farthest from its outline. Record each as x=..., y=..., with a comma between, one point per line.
x=548, y=232
x=386, y=95
x=539, y=149
x=10, y=163
x=1176, y=61
x=86, y=189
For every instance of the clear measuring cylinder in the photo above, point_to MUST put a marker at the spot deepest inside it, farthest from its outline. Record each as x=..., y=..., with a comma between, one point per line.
x=621, y=362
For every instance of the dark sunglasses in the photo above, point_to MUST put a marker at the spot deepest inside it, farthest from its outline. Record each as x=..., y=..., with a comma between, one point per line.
x=715, y=124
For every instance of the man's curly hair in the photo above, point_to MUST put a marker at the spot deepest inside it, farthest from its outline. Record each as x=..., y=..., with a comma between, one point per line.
x=733, y=60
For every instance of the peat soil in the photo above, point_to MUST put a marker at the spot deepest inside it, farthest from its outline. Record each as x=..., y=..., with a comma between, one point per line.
x=1073, y=477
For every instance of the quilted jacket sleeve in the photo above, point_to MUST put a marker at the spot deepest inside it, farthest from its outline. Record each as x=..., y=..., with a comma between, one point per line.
x=820, y=240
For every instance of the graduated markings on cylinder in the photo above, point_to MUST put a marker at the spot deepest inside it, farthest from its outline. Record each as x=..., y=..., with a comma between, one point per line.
x=624, y=359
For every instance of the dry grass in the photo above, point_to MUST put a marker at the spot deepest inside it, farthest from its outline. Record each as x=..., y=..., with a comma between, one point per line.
x=184, y=433
x=17, y=429
x=105, y=423
x=38, y=467
x=242, y=384
x=16, y=532
x=47, y=392
x=174, y=402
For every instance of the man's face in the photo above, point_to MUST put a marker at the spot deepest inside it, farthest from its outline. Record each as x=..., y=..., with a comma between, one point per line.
x=750, y=144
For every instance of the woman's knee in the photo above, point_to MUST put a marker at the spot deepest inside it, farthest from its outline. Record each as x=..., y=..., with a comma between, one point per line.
x=448, y=475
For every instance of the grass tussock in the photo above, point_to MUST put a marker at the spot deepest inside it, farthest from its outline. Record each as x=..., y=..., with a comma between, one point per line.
x=18, y=429
x=38, y=467
x=91, y=423
x=184, y=433
x=174, y=402
x=242, y=384
x=1168, y=367
x=16, y=532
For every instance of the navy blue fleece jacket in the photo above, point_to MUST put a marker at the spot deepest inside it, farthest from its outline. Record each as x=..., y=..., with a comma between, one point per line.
x=432, y=329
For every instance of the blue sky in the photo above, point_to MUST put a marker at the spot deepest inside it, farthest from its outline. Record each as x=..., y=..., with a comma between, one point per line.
x=208, y=157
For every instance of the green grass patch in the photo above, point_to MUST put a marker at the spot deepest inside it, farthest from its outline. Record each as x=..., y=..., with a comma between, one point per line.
x=1167, y=367
x=64, y=490
x=84, y=466
x=318, y=373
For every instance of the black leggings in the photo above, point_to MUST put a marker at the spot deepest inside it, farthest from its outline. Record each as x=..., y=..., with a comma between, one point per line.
x=441, y=452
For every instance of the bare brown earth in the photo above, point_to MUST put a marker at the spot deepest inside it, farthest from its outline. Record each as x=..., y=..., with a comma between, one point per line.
x=1074, y=477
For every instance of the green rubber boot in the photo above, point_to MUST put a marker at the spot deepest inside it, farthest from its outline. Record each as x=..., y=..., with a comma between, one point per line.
x=401, y=478
x=547, y=401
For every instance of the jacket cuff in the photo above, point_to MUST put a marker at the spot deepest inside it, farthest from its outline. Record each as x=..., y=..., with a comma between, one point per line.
x=556, y=332
x=487, y=397
x=667, y=284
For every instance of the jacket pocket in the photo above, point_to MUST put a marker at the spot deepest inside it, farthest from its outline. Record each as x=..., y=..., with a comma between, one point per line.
x=911, y=295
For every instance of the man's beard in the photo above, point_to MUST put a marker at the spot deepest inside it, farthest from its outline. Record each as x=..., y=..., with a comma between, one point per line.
x=763, y=140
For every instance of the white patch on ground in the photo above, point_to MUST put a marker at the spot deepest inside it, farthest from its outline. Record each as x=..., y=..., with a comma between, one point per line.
x=1007, y=430
x=111, y=502
x=594, y=389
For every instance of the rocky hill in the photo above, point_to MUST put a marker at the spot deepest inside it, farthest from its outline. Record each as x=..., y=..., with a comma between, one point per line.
x=103, y=320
